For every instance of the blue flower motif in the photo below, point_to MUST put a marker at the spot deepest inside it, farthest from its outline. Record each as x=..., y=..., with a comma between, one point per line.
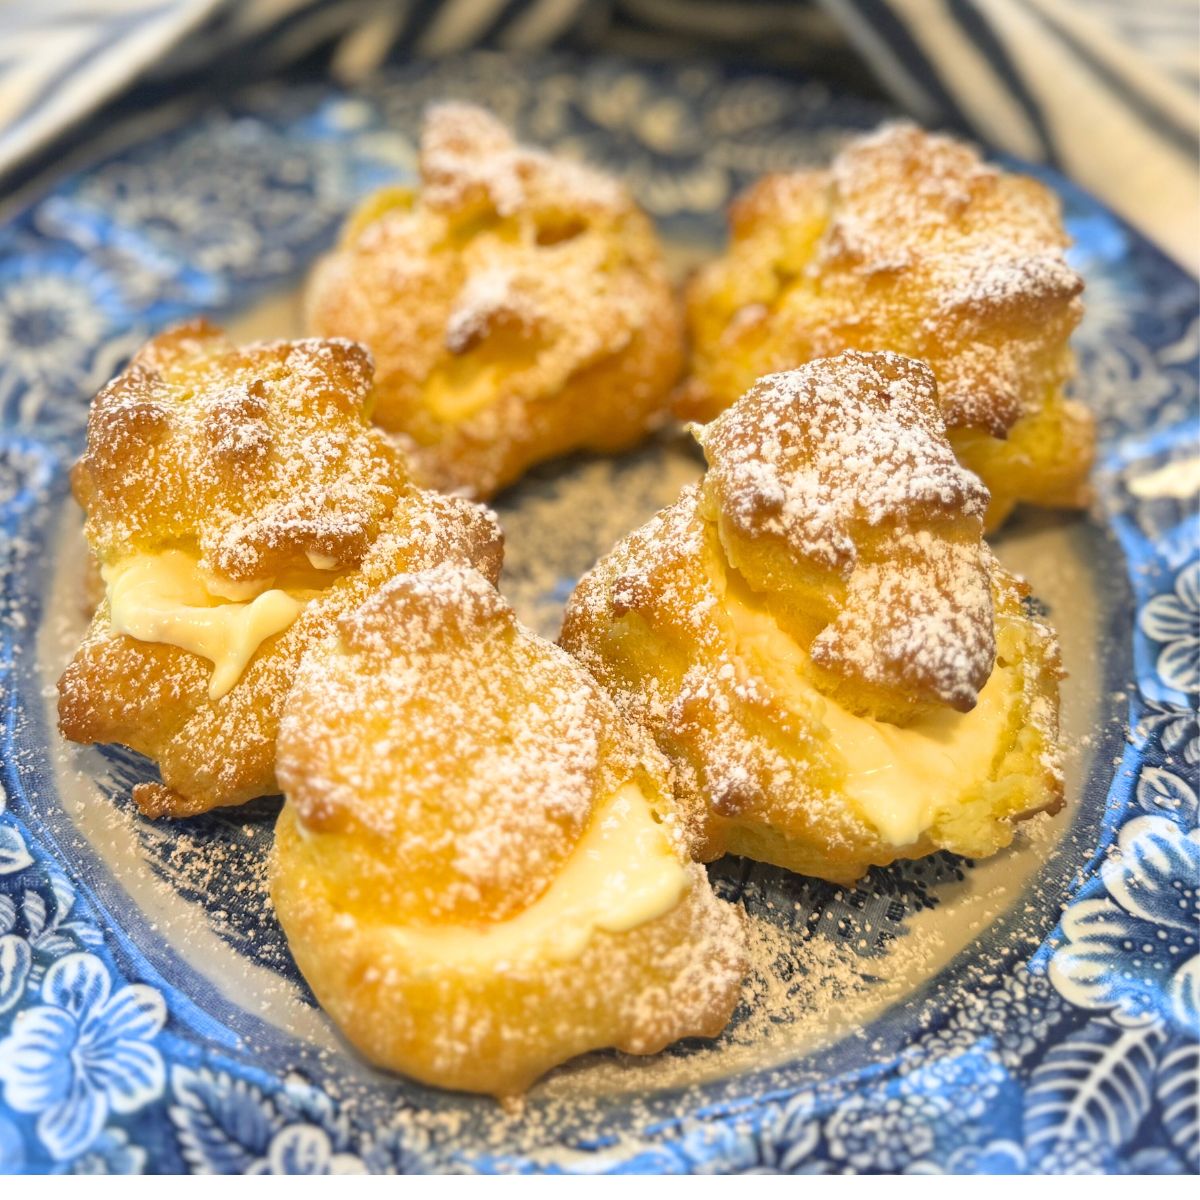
x=48, y=935
x=1000, y=1157
x=1174, y=622
x=882, y=1131
x=82, y=1054
x=1134, y=951
x=110, y=1154
x=1178, y=730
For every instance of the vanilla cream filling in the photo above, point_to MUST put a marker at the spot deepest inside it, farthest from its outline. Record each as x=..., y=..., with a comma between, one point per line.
x=897, y=777
x=461, y=389
x=622, y=874
x=167, y=598
x=321, y=562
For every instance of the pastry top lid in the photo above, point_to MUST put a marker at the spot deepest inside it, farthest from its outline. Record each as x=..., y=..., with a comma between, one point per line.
x=459, y=753
x=855, y=440
x=468, y=158
x=259, y=458
x=842, y=470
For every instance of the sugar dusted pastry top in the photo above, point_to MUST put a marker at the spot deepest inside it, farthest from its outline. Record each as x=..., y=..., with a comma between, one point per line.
x=517, y=304
x=838, y=669
x=470, y=163
x=259, y=457
x=477, y=796
x=908, y=242
x=470, y=865
x=835, y=490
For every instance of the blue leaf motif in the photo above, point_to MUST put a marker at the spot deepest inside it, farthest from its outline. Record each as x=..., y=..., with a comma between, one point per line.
x=1178, y=1092
x=223, y=1124
x=64, y=895
x=54, y=945
x=88, y=935
x=13, y=855
x=301, y=1103
x=15, y=960
x=1155, y=859
x=1096, y=1087
x=33, y=908
x=1163, y=793
x=8, y=914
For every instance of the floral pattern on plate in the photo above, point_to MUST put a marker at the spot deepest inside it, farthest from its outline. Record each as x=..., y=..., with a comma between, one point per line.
x=1080, y=1054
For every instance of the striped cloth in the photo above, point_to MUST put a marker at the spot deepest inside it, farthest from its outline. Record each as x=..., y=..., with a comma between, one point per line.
x=1106, y=90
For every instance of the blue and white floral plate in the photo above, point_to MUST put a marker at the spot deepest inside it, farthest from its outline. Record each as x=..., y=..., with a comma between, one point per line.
x=1035, y=1013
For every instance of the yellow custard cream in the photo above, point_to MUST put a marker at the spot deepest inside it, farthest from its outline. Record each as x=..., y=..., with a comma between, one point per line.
x=622, y=874
x=897, y=777
x=167, y=598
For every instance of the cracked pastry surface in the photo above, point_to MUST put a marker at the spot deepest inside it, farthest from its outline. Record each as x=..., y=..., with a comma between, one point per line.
x=467, y=865
x=909, y=242
x=517, y=305
x=237, y=501
x=838, y=669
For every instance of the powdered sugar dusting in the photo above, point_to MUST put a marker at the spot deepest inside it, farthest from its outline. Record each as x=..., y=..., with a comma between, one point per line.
x=486, y=747
x=921, y=613
x=858, y=438
x=907, y=242
x=845, y=467
x=259, y=457
x=490, y=295
x=467, y=153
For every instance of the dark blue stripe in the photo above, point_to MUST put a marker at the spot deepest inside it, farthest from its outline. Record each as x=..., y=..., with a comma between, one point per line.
x=977, y=27
x=909, y=56
x=1160, y=122
x=502, y=16
x=420, y=17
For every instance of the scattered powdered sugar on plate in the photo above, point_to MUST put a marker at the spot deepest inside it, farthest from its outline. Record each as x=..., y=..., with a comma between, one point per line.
x=823, y=961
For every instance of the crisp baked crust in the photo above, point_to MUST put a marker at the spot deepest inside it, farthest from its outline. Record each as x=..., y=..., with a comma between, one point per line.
x=441, y=764
x=254, y=458
x=517, y=304
x=835, y=491
x=909, y=242
x=258, y=456
x=882, y=593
